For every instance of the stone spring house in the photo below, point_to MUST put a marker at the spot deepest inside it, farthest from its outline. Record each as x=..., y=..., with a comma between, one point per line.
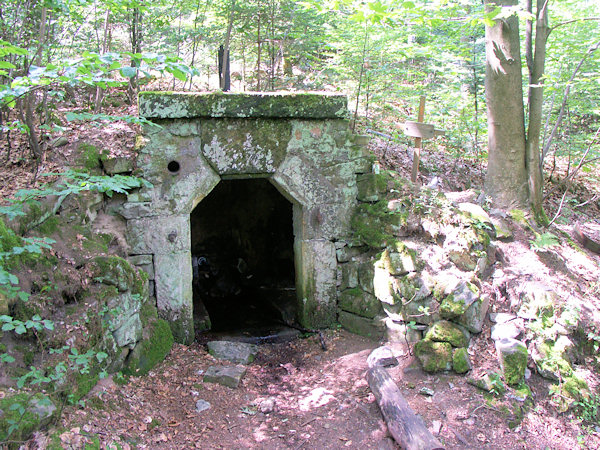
x=298, y=144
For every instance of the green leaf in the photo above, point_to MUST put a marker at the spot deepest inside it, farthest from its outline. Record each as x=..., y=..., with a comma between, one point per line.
x=128, y=72
x=6, y=358
x=7, y=65
x=179, y=74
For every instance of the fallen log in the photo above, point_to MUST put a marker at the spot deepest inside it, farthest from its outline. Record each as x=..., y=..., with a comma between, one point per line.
x=585, y=240
x=404, y=425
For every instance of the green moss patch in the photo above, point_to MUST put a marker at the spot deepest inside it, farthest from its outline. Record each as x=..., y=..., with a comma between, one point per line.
x=151, y=351
x=445, y=331
x=460, y=360
x=434, y=356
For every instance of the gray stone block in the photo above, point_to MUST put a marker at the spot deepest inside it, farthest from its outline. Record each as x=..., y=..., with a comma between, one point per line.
x=229, y=376
x=236, y=352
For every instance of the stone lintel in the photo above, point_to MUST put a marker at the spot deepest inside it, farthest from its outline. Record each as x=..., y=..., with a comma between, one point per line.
x=280, y=105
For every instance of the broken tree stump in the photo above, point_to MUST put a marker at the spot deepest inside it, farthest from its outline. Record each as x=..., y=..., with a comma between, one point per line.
x=407, y=429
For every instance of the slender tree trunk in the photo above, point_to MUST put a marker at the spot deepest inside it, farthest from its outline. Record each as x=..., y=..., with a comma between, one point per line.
x=258, y=56
x=225, y=80
x=136, y=47
x=536, y=99
x=105, y=46
x=506, y=181
x=360, y=78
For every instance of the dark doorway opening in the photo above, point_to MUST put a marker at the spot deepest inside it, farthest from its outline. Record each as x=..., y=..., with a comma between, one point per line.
x=243, y=258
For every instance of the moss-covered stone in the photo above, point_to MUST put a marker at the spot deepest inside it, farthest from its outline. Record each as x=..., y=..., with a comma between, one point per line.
x=359, y=302
x=538, y=301
x=576, y=387
x=461, y=363
x=445, y=331
x=522, y=392
x=512, y=356
x=490, y=382
x=84, y=382
x=90, y=157
x=434, y=356
x=551, y=360
x=370, y=187
x=371, y=328
x=400, y=260
x=173, y=105
x=114, y=271
x=451, y=308
x=152, y=350
x=369, y=223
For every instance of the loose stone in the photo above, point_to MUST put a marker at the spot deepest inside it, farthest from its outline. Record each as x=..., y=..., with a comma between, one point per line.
x=236, y=352
x=229, y=376
x=202, y=405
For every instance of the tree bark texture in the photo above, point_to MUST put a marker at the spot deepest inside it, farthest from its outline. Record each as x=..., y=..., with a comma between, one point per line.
x=536, y=100
x=407, y=429
x=506, y=181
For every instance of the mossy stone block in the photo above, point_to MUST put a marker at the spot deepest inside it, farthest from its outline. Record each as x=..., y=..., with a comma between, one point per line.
x=114, y=271
x=445, y=331
x=512, y=355
x=434, y=356
x=370, y=187
x=371, y=328
x=358, y=302
x=401, y=260
x=461, y=363
x=152, y=350
x=175, y=105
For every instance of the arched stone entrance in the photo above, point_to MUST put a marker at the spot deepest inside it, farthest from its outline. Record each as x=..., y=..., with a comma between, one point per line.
x=298, y=142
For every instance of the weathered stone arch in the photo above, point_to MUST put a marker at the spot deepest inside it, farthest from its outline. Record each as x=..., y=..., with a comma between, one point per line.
x=300, y=142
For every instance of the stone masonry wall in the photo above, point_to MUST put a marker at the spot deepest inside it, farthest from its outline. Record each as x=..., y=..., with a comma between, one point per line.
x=299, y=142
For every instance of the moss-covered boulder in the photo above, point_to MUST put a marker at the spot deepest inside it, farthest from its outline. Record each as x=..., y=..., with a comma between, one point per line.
x=461, y=363
x=465, y=245
x=551, y=358
x=371, y=328
x=445, y=331
x=369, y=223
x=116, y=271
x=458, y=301
x=434, y=356
x=370, y=187
x=490, y=382
x=512, y=356
x=358, y=302
x=400, y=259
x=152, y=349
x=537, y=301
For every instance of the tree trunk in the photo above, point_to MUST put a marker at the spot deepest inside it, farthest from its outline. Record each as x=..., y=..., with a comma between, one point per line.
x=258, y=54
x=506, y=181
x=224, y=81
x=136, y=47
x=407, y=429
x=536, y=100
x=104, y=49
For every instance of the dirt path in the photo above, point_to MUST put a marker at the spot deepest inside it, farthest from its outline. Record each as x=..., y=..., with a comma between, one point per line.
x=321, y=401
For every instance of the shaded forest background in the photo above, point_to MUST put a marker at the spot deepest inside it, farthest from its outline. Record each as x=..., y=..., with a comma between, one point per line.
x=384, y=55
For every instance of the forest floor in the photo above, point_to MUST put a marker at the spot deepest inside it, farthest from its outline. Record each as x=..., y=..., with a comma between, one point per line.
x=296, y=395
